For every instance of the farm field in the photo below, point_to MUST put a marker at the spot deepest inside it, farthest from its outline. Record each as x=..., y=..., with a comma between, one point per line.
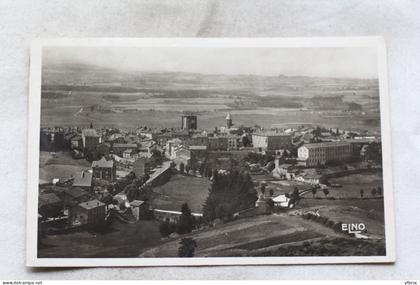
x=258, y=236
x=181, y=189
x=351, y=185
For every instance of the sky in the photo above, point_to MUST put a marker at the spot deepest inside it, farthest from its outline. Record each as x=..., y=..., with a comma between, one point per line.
x=353, y=62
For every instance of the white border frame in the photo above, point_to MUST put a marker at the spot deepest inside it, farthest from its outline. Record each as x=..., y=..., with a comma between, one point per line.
x=33, y=149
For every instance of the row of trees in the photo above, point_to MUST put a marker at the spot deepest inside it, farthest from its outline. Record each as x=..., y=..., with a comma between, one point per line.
x=228, y=194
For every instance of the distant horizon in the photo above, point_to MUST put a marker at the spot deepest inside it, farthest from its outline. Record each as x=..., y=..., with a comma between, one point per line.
x=201, y=73
x=354, y=62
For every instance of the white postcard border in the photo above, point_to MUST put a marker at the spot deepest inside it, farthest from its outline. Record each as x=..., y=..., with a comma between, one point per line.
x=34, y=109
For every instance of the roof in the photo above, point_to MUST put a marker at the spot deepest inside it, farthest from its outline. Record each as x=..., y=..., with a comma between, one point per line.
x=325, y=144
x=48, y=199
x=136, y=203
x=83, y=179
x=122, y=145
x=91, y=204
x=128, y=151
x=272, y=134
x=75, y=192
x=89, y=133
x=103, y=163
x=280, y=198
x=176, y=212
x=285, y=165
x=198, y=147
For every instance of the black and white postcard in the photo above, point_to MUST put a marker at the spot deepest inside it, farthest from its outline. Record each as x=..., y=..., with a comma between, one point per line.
x=182, y=151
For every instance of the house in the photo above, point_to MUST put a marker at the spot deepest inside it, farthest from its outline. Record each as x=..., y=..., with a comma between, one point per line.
x=171, y=146
x=104, y=169
x=270, y=141
x=119, y=148
x=234, y=141
x=197, y=140
x=127, y=153
x=140, y=209
x=88, y=213
x=83, y=180
x=310, y=178
x=282, y=171
x=90, y=139
x=182, y=156
x=218, y=143
x=76, y=142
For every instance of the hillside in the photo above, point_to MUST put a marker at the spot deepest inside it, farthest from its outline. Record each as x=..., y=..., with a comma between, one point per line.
x=273, y=235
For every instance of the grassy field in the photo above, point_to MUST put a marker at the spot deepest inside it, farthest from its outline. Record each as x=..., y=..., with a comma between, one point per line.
x=120, y=240
x=181, y=189
x=351, y=185
x=367, y=211
x=62, y=165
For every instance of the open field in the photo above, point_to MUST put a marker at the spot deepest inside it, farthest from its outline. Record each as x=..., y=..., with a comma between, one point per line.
x=181, y=189
x=262, y=236
x=109, y=98
x=60, y=166
x=165, y=116
x=351, y=185
x=120, y=240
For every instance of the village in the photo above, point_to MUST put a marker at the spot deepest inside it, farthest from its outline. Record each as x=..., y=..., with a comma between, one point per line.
x=174, y=177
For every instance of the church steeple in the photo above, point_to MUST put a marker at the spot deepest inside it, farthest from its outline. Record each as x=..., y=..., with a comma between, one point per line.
x=229, y=123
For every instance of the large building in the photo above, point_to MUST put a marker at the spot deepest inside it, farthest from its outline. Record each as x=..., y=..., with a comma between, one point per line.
x=218, y=143
x=322, y=153
x=189, y=122
x=104, y=169
x=271, y=141
x=90, y=139
x=88, y=213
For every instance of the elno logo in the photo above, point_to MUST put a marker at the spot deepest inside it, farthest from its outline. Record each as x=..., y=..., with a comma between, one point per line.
x=353, y=228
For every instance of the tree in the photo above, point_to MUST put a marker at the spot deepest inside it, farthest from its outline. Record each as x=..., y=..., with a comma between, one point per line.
x=245, y=141
x=262, y=189
x=201, y=169
x=295, y=194
x=165, y=228
x=187, y=247
x=186, y=220
x=326, y=191
x=373, y=192
x=229, y=193
x=314, y=190
x=362, y=193
x=271, y=192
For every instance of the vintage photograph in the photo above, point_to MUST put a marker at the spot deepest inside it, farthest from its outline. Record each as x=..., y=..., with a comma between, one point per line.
x=209, y=152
